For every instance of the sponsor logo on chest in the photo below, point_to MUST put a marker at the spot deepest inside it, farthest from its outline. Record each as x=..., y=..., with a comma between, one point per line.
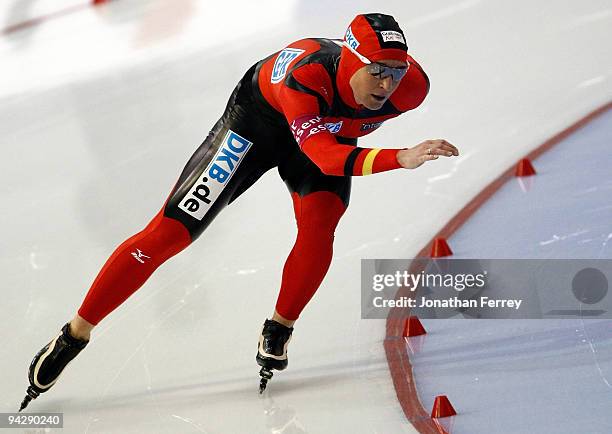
x=306, y=126
x=216, y=176
x=371, y=126
x=333, y=127
x=283, y=60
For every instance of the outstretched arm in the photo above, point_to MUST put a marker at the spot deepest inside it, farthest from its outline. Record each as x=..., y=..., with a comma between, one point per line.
x=302, y=106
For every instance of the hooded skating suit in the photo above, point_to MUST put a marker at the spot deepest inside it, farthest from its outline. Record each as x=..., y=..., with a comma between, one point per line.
x=294, y=110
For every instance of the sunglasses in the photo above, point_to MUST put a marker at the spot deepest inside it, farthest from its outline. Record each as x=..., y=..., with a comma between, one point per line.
x=379, y=70
x=382, y=71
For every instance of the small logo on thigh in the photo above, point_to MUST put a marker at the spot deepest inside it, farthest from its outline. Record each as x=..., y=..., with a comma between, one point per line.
x=216, y=176
x=139, y=256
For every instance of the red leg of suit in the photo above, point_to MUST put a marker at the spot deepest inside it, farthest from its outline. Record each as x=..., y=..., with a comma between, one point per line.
x=317, y=215
x=131, y=264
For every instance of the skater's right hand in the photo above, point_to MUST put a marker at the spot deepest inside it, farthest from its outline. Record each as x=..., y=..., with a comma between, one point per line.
x=412, y=158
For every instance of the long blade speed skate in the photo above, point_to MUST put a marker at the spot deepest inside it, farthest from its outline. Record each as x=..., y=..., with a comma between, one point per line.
x=272, y=350
x=49, y=363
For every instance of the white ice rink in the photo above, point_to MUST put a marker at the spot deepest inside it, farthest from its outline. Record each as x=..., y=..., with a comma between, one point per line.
x=101, y=108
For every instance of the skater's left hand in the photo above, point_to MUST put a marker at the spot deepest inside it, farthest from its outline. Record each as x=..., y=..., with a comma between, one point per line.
x=428, y=150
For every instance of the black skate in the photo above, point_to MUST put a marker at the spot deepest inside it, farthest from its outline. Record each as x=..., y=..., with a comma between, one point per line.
x=49, y=362
x=272, y=350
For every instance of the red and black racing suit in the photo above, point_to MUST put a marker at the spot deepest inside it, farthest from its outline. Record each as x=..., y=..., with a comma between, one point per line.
x=294, y=110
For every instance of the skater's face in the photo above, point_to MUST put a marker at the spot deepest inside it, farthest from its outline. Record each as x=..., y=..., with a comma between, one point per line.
x=373, y=84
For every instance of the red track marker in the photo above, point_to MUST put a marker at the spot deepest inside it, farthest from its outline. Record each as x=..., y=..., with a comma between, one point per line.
x=524, y=168
x=413, y=327
x=440, y=248
x=442, y=407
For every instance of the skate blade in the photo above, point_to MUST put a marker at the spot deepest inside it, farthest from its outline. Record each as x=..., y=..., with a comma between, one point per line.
x=262, y=386
x=31, y=394
x=265, y=375
x=24, y=403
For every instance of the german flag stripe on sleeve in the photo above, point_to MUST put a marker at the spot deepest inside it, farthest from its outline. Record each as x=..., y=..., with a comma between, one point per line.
x=368, y=163
x=365, y=161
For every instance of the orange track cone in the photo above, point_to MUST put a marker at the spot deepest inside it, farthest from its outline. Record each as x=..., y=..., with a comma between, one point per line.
x=413, y=327
x=440, y=248
x=442, y=407
x=524, y=168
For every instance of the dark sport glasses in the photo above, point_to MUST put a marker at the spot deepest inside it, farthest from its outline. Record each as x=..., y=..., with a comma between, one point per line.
x=379, y=70
x=382, y=71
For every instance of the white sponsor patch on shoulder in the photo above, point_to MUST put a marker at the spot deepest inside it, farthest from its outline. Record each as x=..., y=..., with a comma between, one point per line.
x=283, y=60
x=392, y=36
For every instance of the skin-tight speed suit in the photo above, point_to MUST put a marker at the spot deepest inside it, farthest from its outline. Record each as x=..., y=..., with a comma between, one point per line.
x=295, y=111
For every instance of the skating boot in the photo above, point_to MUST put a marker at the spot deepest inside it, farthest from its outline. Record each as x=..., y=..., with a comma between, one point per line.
x=50, y=361
x=272, y=350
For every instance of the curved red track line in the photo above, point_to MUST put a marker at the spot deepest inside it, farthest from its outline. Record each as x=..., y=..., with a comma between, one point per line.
x=39, y=20
x=395, y=346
